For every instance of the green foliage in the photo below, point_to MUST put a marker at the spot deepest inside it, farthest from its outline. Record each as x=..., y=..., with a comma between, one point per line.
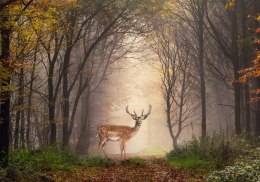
x=45, y=165
x=50, y=157
x=96, y=161
x=3, y=174
x=134, y=161
x=212, y=153
x=201, y=155
x=33, y=164
x=190, y=162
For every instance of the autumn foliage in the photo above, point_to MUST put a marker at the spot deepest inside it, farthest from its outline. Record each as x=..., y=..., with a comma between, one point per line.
x=254, y=71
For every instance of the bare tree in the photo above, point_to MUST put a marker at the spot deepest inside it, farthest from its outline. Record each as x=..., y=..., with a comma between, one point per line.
x=175, y=68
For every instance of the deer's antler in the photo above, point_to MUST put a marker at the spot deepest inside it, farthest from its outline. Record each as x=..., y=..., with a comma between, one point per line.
x=149, y=112
x=130, y=113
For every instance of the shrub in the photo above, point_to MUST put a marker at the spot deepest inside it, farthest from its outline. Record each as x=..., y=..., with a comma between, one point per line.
x=246, y=168
x=33, y=164
x=247, y=173
x=3, y=174
x=215, y=152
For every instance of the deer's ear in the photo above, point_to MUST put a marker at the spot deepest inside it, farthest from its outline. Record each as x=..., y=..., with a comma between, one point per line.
x=144, y=117
x=134, y=117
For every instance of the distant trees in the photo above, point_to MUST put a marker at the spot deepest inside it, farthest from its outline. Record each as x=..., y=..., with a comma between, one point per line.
x=183, y=60
x=193, y=12
x=219, y=39
x=231, y=31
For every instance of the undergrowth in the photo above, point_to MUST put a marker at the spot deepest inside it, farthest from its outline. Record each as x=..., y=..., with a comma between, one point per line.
x=210, y=156
x=28, y=165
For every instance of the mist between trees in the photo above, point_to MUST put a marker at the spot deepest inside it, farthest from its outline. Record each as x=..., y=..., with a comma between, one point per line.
x=67, y=67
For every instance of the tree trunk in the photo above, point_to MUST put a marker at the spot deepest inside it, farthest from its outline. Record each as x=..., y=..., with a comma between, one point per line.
x=175, y=144
x=52, y=91
x=21, y=97
x=247, y=109
x=257, y=128
x=83, y=140
x=65, y=99
x=19, y=112
x=237, y=105
x=245, y=61
x=30, y=103
x=257, y=80
x=17, y=127
x=5, y=95
x=201, y=10
x=169, y=122
x=236, y=67
x=51, y=106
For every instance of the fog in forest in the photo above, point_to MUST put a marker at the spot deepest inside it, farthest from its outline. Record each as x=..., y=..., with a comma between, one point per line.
x=135, y=82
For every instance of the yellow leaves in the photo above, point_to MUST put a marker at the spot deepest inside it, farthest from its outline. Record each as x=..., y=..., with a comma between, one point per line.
x=7, y=88
x=230, y=4
x=258, y=18
x=36, y=22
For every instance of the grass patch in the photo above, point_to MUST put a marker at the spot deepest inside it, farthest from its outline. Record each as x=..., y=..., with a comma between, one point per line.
x=191, y=162
x=96, y=161
x=134, y=161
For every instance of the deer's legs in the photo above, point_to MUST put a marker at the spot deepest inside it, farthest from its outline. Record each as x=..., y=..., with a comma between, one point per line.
x=103, y=148
x=124, y=151
x=102, y=143
x=122, y=147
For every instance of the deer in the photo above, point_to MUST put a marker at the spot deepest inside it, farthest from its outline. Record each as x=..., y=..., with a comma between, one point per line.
x=120, y=133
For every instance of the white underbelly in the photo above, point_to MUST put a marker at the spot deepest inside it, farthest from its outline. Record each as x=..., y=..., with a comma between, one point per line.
x=113, y=138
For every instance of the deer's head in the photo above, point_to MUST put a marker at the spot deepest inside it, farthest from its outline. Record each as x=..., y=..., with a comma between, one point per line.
x=139, y=119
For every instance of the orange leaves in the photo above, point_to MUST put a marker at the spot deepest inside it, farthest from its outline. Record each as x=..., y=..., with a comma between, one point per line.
x=257, y=91
x=253, y=72
x=255, y=99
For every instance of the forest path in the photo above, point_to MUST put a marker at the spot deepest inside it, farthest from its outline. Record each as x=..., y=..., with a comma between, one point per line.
x=151, y=170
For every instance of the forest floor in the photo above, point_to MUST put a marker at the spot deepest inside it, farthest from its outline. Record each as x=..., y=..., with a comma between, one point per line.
x=236, y=160
x=130, y=170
